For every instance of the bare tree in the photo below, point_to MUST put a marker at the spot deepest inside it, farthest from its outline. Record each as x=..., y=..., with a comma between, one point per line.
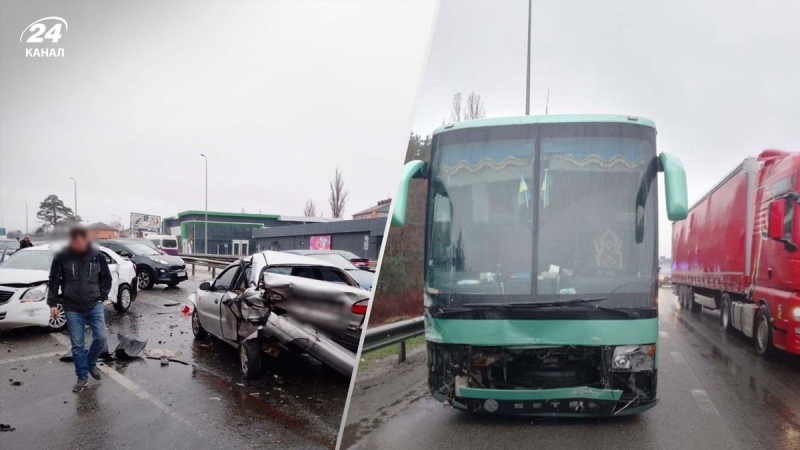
x=338, y=196
x=310, y=209
x=456, y=112
x=475, y=107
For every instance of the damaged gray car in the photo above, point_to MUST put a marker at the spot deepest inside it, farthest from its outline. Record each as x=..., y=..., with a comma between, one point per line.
x=274, y=302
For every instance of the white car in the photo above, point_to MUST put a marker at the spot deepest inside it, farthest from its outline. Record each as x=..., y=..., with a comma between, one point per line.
x=23, y=287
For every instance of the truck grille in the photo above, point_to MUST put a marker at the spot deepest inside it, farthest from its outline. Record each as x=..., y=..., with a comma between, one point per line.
x=5, y=295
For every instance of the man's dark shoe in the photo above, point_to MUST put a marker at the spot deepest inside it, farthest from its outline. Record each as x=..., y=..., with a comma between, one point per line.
x=80, y=385
x=95, y=373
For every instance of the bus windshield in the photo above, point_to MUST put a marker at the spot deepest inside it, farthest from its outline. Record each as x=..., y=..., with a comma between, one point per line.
x=542, y=213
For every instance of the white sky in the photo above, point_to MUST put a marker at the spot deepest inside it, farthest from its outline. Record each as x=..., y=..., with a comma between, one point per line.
x=721, y=79
x=277, y=94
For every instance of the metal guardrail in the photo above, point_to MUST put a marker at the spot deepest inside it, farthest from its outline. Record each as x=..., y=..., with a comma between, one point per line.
x=393, y=333
x=213, y=262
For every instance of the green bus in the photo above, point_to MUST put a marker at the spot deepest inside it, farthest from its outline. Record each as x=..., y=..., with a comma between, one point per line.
x=541, y=263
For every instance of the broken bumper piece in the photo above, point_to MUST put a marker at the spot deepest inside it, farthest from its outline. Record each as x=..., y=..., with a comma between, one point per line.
x=563, y=402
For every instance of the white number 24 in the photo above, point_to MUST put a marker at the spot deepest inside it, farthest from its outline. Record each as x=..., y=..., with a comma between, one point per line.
x=38, y=29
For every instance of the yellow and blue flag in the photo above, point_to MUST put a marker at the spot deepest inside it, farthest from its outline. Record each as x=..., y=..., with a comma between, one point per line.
x=524, y=196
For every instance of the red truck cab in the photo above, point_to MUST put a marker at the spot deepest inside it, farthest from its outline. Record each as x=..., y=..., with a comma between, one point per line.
x=739, y=248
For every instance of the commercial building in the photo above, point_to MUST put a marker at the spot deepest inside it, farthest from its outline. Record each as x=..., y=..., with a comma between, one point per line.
x=362, y=237
x=228, y=233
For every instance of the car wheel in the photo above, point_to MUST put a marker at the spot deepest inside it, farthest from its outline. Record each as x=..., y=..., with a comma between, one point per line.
x=59, y=322
x=145, y=279
x=725, y=313
x=197, y=329
x=764, y=346
x=250, y=357
x=124, y=299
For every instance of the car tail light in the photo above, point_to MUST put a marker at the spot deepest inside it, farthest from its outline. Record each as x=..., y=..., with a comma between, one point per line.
x=360, y=308
x=135, y=269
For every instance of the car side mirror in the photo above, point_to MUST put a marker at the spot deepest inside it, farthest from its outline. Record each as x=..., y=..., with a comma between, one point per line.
x=205, y=286
x=399, y=212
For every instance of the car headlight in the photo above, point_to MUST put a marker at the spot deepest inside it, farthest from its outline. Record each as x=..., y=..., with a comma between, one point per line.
x=35, y=294
x=633, y=358
x=160, y=261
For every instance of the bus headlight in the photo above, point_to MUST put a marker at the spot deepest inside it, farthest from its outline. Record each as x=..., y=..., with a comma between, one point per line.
x=34, y=294
x=633, y=358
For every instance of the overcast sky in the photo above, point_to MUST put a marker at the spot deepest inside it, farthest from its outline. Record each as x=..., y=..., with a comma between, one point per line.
x=721, y=79
x=277, y=94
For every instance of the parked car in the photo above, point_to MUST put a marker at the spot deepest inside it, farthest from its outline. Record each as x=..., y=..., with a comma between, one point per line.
x=165, y=243
x=277, y=302
x=23, y=287
x=152, y=266
x=364, y=278
x=361, y=263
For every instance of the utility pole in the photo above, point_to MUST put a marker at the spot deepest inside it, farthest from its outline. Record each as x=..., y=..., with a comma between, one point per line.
x=205, y=242
x=75, y=185
x=547, y=103
x=528, y=67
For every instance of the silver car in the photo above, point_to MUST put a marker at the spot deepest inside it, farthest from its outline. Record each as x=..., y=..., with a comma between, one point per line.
x=274, y=302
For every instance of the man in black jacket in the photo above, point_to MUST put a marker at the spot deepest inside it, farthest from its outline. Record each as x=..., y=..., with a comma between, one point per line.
x=80, y=282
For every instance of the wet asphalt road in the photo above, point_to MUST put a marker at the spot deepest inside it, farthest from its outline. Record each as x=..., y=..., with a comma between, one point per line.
x=715, y=393
x=141, y=404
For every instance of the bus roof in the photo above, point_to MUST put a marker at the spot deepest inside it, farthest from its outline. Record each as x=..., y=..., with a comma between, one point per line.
x=550, y=118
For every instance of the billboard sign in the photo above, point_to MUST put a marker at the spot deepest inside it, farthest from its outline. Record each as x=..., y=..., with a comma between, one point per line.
x=320, y=243
x=145, y=222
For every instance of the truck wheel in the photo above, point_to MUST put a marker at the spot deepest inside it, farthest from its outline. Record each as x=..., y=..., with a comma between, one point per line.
x=250, y=356
x=763, y=336
x=199, y=332
x=123, y=299
x=726, y=313
x=690, y=300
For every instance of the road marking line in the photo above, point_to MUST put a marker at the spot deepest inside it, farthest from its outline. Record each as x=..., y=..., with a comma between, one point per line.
x=663, y=334
x=678, y=357
x=133, y=387
x=29, y=357
x=704, y=401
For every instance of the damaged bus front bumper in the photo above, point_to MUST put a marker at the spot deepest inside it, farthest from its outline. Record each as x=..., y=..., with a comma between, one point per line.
x=566, y=402
x=544, y=380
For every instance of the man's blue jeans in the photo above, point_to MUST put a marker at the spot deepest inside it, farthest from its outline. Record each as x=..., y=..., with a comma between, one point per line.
x=76, y=322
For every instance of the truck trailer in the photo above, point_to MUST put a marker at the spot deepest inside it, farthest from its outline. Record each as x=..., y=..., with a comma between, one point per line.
x=738, y=248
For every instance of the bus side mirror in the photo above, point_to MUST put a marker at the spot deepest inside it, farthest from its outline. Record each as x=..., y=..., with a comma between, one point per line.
x=399, y=212
x=675, y=187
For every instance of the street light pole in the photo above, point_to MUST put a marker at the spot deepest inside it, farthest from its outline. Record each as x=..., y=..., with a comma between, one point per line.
x=205, y=240
x=528, y=78
x=75, y=185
